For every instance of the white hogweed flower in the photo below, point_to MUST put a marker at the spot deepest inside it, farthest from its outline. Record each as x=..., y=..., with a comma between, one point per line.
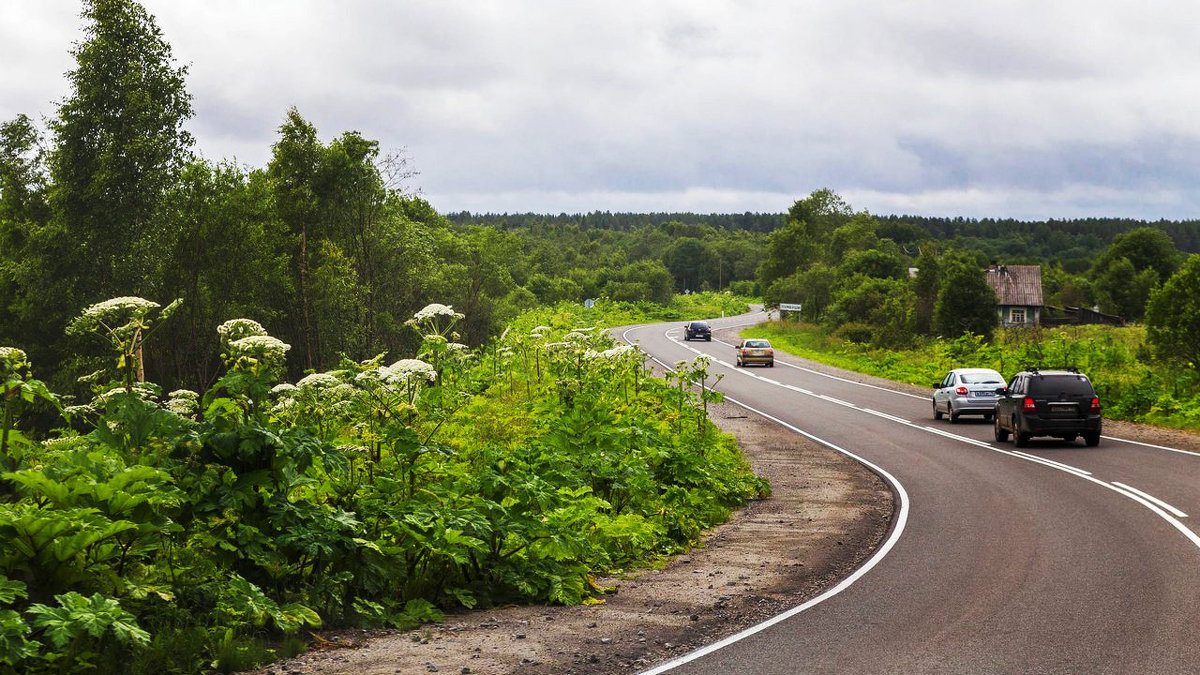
x=119, y=311
x=236, y=329
x=407, y=370
x=183, y=402
x=615, y=352
x=434, y=310
x=12, y=360
x=259, y=347
x=317, y=381
x=285, y=388
x=575, y=336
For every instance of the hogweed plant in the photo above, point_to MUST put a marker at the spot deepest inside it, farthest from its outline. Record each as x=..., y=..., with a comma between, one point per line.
x=124, y=323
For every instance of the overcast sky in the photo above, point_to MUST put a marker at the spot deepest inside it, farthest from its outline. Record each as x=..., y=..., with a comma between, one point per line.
x=1022, y=109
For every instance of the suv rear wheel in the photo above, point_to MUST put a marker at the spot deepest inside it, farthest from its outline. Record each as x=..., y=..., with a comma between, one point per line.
x=1021, y=439
x=1000, y=432
x=1092, y=439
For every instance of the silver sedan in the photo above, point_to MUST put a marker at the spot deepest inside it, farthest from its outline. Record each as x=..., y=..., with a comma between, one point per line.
x=967, y=391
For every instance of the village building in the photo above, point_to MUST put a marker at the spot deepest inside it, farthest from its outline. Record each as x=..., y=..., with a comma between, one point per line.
x=1018, y=294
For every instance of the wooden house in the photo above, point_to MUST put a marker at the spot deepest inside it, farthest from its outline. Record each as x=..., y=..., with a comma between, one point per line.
x=1018, y=293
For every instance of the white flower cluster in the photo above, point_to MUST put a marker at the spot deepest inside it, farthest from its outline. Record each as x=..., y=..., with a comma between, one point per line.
x=317, y=382
x=12, y=359
x=614, y=353
x=183, y=402
x=540, y=331
x=284, y=389
x=115, y=311
x=259, y=347
x=408, y=370
x=434, y=310
x=143, y=390
x=127, y=304
x=236, y=329
x=575, y=336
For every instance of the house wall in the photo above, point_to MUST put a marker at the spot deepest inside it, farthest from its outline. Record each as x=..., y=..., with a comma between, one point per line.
x=1033, y=315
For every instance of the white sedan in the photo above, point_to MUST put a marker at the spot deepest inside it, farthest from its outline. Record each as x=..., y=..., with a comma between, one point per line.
x=967, y=391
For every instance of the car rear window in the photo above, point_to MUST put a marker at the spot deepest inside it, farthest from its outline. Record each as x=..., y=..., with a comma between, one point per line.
x=757, y=343
x=981, y=378
x=699, y=324
x=1070, y=385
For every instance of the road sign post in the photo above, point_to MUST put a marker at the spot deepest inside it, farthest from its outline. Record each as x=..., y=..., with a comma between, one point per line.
x=789, y=307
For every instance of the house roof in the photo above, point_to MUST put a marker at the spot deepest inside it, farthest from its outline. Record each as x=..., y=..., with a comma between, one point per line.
x=1016, y=284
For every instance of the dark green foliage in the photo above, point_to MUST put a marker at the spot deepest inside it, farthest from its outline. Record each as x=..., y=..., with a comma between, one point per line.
x=965, y=302
x=1173, y=316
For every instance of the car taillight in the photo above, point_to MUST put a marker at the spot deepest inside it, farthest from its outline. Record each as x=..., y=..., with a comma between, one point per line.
x=1028, y=405
x=771, y=352
x=961, y=391
x=1095, y=406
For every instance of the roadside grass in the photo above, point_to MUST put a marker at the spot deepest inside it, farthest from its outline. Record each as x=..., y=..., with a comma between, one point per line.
x=1132, y=385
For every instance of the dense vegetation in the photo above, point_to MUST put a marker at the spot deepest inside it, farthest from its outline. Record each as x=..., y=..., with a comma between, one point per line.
x=172, y=532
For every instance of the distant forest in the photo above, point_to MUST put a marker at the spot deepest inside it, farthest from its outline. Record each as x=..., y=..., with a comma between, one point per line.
x=1073, y=243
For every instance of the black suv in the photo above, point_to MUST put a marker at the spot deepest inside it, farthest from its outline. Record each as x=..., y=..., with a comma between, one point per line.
x=1058, y=403
x=697, y=330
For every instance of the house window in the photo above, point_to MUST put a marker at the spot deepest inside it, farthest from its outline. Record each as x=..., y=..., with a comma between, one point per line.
x=1016, y=315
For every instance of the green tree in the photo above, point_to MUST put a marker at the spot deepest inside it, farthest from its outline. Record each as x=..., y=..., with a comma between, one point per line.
x=965, y=302
x=231, y=261
x=1123, y=290
x=294, y=167
x=873, y=263
x=1173, y=316
x=23, y=211
x=1145, y=248
x=692, y=264
x=800, y=241
x=1063, y=289
x=926, y=285
x=119, y=144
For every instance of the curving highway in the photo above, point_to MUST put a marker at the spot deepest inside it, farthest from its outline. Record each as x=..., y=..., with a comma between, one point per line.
x=1054, y=559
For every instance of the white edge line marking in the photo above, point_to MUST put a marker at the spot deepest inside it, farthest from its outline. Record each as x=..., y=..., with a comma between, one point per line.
x=897, y=530
x=1150, y=445
x=1176, y=512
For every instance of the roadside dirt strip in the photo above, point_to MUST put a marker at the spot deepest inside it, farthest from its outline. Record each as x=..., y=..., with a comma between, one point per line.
x=825, y=516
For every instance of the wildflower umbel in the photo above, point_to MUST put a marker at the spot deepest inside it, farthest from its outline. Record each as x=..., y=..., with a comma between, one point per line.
x=409, y=370
x=104, y=313
x=12, y=360
x=236, y=329
x=259, y=347
x=317, y=381
x=432, y=311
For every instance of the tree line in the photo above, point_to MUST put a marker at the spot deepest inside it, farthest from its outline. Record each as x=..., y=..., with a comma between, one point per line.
x=327, y=245
x=868, y=280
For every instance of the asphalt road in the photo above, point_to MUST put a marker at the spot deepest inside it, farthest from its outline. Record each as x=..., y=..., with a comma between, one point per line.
x=1043, y=560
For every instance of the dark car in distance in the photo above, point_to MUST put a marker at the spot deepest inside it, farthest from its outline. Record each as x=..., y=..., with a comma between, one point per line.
x=697, y=330
x=1060, y=403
